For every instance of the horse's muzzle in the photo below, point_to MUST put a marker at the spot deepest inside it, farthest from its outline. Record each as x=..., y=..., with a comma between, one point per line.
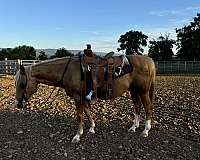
x=19, y=103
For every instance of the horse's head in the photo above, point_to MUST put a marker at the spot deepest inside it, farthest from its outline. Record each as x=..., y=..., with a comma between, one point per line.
x=25, y=86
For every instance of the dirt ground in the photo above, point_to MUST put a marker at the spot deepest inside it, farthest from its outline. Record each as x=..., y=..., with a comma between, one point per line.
x=44, y=130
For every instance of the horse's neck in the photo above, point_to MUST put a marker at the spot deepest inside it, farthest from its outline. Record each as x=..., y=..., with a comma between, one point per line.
x=49, y=73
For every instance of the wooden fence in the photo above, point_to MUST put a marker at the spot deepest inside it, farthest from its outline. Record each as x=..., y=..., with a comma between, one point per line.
x=162, y=67
x=9, y=67
x=178, y=67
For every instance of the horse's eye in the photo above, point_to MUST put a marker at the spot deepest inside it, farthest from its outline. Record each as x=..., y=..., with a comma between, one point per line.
x=22, y=85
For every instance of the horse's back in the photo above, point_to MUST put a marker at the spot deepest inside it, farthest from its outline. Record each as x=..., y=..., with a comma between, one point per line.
x=144, y=71
x=142, y=64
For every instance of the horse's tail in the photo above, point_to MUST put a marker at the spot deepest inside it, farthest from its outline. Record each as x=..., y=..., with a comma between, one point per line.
x=151, y=91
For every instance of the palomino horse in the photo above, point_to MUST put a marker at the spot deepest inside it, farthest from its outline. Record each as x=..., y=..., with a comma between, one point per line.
x=66, y=73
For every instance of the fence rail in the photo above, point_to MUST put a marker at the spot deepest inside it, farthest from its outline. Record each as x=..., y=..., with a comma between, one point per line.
x=162, y=67
x=9, y=67
x=178, y=67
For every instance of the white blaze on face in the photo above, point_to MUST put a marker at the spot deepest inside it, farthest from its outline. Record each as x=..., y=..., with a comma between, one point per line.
x=19, y=91
x=16, y=102
x=17, y=78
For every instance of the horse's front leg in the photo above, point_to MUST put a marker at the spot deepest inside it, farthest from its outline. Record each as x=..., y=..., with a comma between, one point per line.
x=79, y=110
x=89, y=116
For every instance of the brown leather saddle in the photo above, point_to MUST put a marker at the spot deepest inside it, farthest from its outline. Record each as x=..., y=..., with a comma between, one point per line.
x=102, y=70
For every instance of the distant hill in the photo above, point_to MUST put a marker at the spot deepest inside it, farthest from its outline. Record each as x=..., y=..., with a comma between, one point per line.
x=49, y=52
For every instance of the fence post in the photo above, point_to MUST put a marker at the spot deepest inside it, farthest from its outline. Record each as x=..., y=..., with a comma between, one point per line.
x=6, y=66
x=171, y=67
x=157, y=68
x=179, y=71
x=185, y=66
x=18, y=64
x=164, y=66
x=193, y=66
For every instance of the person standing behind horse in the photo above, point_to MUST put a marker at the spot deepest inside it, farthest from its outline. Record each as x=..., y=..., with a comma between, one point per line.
x=88, y=51
x=90, y=88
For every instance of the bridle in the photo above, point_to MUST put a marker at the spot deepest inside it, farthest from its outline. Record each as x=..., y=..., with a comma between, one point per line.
x=65, y=70
x=59, y=82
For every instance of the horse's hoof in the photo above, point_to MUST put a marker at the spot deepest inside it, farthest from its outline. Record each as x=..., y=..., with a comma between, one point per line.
x=144, y=135
x=76, y=139
x=132, y=129
x=91, y=130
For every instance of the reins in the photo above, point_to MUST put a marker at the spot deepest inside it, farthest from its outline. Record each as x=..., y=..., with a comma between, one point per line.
x=61, y=82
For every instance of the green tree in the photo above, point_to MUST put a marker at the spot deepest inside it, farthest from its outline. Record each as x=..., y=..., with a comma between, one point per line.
x=62, y=52
x=132, y=42
x=42, y=56
x=23, y=52
x=162, y=48
x=154, y=50
x=4, y=54
x=188, y=40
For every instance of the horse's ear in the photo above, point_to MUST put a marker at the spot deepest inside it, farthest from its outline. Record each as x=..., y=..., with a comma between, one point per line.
x=22, y=69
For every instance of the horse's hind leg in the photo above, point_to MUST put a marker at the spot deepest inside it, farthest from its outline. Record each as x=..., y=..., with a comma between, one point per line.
x=89, y=116
x=79, y=110
x=148, y=107
x=137, y=104
x=151, y=92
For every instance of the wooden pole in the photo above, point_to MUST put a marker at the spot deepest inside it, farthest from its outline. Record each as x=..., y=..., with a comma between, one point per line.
x=6, y=66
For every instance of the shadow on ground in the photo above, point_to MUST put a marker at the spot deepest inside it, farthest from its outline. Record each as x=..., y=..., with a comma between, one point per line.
x=32, y=135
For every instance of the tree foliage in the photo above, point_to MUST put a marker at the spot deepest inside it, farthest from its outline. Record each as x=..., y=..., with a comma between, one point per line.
x=188, y=40
x=42, y=56
x=62, y=52
x=132, y=42
x=5, y=53
x=162, y=48
x=20, y=52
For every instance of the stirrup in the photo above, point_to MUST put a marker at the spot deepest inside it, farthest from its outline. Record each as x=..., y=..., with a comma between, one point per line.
x=89, y=96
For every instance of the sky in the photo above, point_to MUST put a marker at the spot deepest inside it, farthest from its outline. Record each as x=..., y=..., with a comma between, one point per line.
x=74, y=23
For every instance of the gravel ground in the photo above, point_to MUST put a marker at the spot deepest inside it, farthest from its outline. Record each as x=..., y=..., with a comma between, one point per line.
x=45, y=129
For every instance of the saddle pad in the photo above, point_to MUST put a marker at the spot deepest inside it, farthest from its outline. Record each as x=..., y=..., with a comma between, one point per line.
x=123, y=69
